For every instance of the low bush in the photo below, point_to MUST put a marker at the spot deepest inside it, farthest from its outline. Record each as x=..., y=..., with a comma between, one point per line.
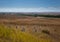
x=46, y=32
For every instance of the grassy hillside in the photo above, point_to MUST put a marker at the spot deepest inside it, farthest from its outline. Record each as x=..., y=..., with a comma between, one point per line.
x=30, y=29
x=15, y=35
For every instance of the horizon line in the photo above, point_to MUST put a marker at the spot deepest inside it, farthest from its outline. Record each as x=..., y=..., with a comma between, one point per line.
x=41, y=9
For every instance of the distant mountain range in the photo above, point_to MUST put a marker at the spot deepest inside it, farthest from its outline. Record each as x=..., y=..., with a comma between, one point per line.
x=31, y=13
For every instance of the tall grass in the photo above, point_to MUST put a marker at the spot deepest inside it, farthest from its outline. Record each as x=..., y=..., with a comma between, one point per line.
x=15, y=35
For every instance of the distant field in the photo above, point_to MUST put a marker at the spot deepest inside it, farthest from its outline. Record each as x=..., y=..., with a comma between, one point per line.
x=30, y=29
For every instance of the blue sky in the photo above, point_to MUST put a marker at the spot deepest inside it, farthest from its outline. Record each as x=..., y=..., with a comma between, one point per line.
x=30, y=5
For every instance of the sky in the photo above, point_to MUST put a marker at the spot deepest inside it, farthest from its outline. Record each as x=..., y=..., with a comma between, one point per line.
x=29, y=5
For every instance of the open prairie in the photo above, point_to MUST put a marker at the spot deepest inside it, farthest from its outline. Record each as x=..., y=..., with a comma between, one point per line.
x=37, y=29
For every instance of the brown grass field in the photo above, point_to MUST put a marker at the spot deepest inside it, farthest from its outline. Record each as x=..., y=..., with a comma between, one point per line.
x=40, y=27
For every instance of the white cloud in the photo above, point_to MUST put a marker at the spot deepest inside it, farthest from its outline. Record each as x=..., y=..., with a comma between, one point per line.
x=41, y=9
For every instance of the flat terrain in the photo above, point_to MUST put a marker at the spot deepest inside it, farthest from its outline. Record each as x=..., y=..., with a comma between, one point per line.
x=39, y=27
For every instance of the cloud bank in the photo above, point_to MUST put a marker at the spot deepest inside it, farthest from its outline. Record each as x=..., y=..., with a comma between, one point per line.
x=41, y=9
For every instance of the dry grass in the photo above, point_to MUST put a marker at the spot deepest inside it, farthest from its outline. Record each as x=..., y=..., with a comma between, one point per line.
x=15, y=35
x=33, y=28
